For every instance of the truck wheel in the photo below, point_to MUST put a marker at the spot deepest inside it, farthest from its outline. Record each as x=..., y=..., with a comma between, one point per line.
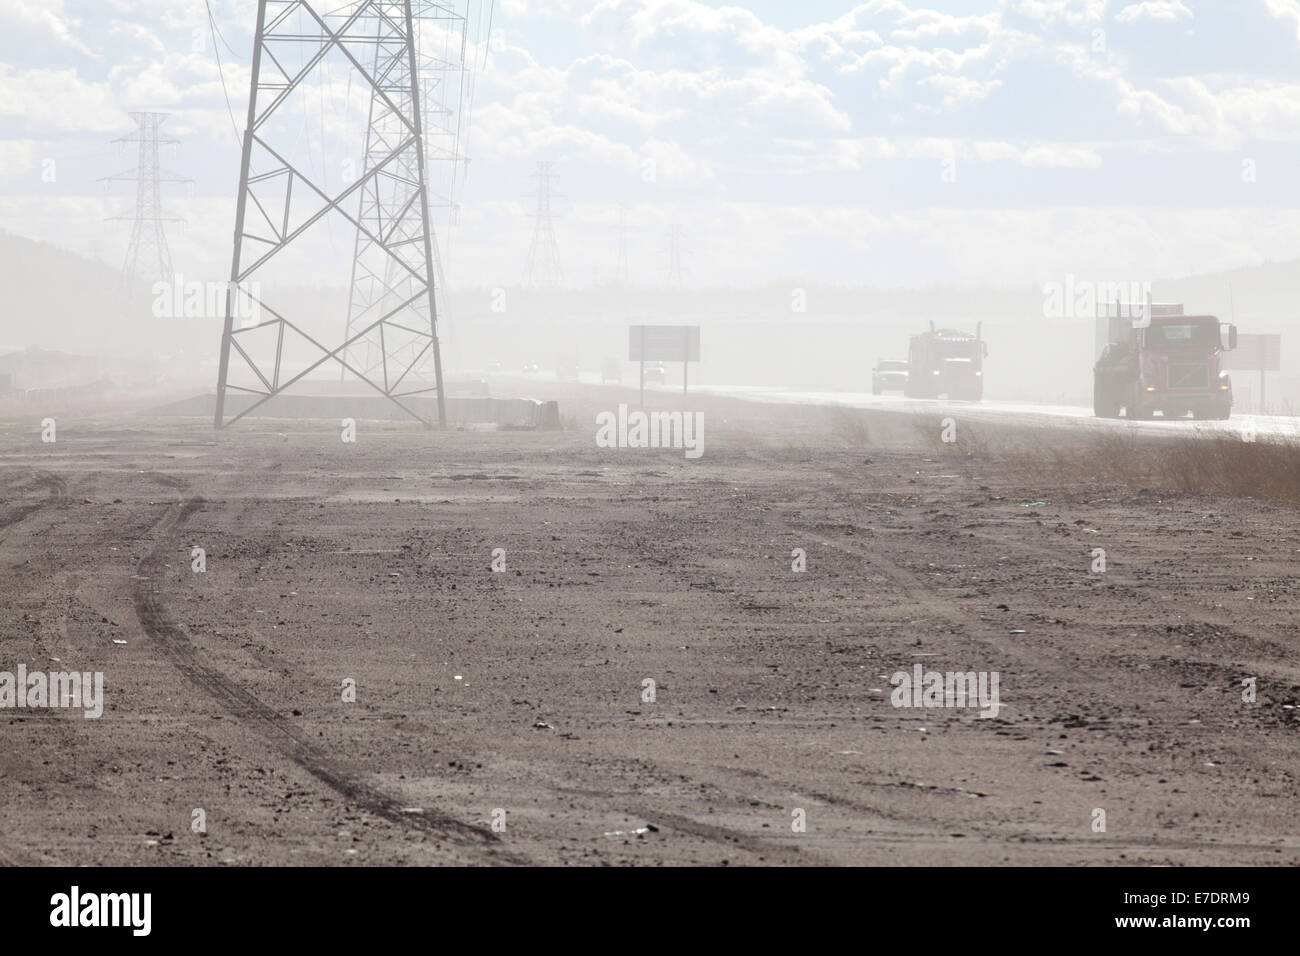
x=1105, y=404
x=1135, y=410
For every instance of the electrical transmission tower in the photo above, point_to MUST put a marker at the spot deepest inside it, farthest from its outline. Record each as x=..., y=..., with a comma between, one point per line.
x=543, y=267
x=147, y=256
x=675, y=257
x=281, y=198
x=621, y=271
x=440, y=43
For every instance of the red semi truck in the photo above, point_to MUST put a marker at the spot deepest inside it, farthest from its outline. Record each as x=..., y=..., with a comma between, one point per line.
x=1159, y=360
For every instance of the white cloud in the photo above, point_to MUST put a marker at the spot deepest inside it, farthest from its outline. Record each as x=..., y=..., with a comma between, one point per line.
x=1072, y=13
x=1287, y=10
x=57, y=100
x=958, y=90
x=47, y=19
x=1167, y=11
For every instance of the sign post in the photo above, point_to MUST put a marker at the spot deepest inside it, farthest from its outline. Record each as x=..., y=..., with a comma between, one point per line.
x=686, y=350
x=663, y=343
x=1262, y=353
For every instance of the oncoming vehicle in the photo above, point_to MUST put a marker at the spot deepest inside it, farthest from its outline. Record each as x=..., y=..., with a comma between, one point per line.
x=655, y=373
x=946, y=362
x=1173, y=366
x=889, y=375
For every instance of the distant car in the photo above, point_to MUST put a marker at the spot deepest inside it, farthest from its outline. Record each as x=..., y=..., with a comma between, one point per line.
x=531, y=368
x=611, y=371
x=889, y=375
x=567, y=370
x=655, y=373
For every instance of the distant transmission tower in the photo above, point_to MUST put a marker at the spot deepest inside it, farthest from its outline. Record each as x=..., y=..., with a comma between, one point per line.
x=621, y=271
x=675, y=257
x=543, y=267
x=281, y=198
x=440, y=40
x=147, y=256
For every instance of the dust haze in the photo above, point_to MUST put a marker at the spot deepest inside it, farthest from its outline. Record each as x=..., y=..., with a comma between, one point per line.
x=353, y=436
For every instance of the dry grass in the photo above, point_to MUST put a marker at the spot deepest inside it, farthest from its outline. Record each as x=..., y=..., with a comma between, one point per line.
x=850, y=426
x=1217, y=463
x=1224, y=464
x=1220, y=464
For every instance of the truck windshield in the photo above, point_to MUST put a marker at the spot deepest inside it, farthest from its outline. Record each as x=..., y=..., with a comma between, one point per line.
x=1183, y=335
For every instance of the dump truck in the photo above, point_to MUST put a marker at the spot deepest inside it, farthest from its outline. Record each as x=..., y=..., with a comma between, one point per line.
x=946, y=362
x=1158, y=359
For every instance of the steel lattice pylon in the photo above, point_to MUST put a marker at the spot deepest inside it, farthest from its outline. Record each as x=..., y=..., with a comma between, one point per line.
x=147, y=255
x=675, y=256
x=371, y=290
x=278, y=202
x=543, y=268
x=620, y=271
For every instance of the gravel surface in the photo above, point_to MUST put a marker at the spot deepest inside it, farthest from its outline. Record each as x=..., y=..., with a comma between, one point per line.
x=504, y=717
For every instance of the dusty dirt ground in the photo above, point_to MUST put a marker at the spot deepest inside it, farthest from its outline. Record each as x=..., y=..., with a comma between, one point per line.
x=522, y=691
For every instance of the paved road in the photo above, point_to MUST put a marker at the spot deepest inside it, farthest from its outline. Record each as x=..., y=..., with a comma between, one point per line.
x=1010, y=411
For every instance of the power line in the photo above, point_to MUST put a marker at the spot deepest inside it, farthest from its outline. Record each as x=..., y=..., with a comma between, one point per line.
x=220, y=34
x=212, y=30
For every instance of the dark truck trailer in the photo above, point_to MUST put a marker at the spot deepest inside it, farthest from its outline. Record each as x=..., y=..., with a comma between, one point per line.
x=1173, y=366
x=948, y=363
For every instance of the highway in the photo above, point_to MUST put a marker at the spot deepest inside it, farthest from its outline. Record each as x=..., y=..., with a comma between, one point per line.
x=1074, y=415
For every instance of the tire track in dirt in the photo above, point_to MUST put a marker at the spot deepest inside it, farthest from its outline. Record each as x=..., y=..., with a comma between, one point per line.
x=9, y=856
x=912, y=587
x=56, y=489
x=175, y=645
x=1277, y=670
x=750, y=842
x=743, y=602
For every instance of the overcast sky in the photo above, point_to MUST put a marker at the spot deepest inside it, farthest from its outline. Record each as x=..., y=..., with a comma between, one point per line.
x=883, y=143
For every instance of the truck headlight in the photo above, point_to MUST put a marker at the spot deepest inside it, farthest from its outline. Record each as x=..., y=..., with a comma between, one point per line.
x=936, y=372
x=1151, y=388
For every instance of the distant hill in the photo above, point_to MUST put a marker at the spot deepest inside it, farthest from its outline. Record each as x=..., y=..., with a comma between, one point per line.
x=59, y=300
x=1265, y=298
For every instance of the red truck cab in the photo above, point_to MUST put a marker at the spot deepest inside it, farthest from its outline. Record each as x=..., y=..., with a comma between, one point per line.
x=1172, y=364
x=1181, y=368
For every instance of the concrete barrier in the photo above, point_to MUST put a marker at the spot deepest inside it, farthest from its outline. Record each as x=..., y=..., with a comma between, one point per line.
x=503, y=412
